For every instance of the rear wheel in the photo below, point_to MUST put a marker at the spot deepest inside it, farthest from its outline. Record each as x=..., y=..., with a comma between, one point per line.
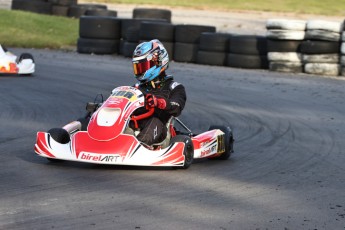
x=228, y=139
x=188, y=151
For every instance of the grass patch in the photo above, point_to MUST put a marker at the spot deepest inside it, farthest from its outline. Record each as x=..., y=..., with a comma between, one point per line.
x=30, y=30
x=319, y=7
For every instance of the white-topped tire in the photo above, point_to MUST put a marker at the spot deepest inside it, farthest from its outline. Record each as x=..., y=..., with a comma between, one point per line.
x=286, y=67
x=320, y=58
x=325, y=25
x=285, y=24
x=285, y=34
x=284, y=56
x=322, y=69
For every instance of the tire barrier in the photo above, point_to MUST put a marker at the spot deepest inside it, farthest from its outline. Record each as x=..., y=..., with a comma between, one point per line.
x=320, y=50
x=35, y=6
x=144, y=13
x=99, y=35
x=97, y=46
x=342, y=53
x=61, y=7
x=101, y=12
x=76, y=11
x=100, y=27
x=213, y=48
x=284, y=39
x=163, y=31
x=247, y=51
x=188, y=36
x=296, y=46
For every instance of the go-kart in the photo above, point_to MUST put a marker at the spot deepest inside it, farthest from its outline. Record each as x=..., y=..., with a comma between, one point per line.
x=104, y=136
x=11, y=64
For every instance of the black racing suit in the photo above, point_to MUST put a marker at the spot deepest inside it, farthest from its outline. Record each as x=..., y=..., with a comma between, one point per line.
x=153, y=129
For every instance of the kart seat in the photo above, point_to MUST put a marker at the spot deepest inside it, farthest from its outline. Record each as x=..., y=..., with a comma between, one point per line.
x=166, y=142
x=163, y=144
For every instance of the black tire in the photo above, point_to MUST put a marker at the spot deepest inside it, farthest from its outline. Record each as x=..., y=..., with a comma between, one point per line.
x=133, y=35
x=157, y=30
x=248, y=44
x=101, y=12
x=188, y=149
x=322, y=35
x=211, y=58
x=191, y=33
x=76, y=11
x=169, y=46
x=64, y=2
x=247, y=61
x=229, y=141
x=134, y=24
x=128, y=48
x=60, y=135
x=185, y=52
x=26, y=56
x=60, y=10
x=284, y=45
x=152, y=13
x=97, y=46
x=100, y=27
x=214, y=42
x=319, y=47
x=35, y=6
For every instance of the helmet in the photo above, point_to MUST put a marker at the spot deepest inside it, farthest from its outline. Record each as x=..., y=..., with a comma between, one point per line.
x=150, y=59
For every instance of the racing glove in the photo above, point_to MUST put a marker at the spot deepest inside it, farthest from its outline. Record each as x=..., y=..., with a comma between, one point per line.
x=153, y=101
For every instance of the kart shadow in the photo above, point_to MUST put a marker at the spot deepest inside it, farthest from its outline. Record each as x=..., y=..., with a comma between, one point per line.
x=88, y=166
x=6, y=75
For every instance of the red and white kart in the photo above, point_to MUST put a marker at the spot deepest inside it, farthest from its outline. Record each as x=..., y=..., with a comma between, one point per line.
x=11, y=64
x=104, y=137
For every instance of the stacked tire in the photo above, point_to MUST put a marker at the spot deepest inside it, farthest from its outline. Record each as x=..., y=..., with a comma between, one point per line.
x=146, y=13
x=187, y=38
x=99, y=35
x=342, y=54
x=130, y=34
x=284, y=39
x=61, y=7
x=35, y=6
x=76, y=11
x=248, y=52
x=321, y=48
x=213, y=48
x=163, y=31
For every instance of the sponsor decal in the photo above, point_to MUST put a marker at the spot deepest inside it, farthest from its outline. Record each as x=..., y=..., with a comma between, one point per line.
x=208, y=151
x=99, y=157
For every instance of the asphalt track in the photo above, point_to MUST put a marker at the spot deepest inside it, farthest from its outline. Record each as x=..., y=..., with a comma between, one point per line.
x=287, y=171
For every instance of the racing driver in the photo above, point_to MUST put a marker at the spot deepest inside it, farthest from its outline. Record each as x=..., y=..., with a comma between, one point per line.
x=150, y=62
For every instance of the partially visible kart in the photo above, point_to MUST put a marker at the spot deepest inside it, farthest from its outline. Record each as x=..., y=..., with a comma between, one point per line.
x=104, y=136
x=11, y=64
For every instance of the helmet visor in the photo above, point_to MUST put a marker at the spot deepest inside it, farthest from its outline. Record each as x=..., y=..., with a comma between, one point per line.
x=141, y=67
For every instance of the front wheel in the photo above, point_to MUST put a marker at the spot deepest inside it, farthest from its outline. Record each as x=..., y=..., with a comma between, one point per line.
x=228, y=139
x=188, y=151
